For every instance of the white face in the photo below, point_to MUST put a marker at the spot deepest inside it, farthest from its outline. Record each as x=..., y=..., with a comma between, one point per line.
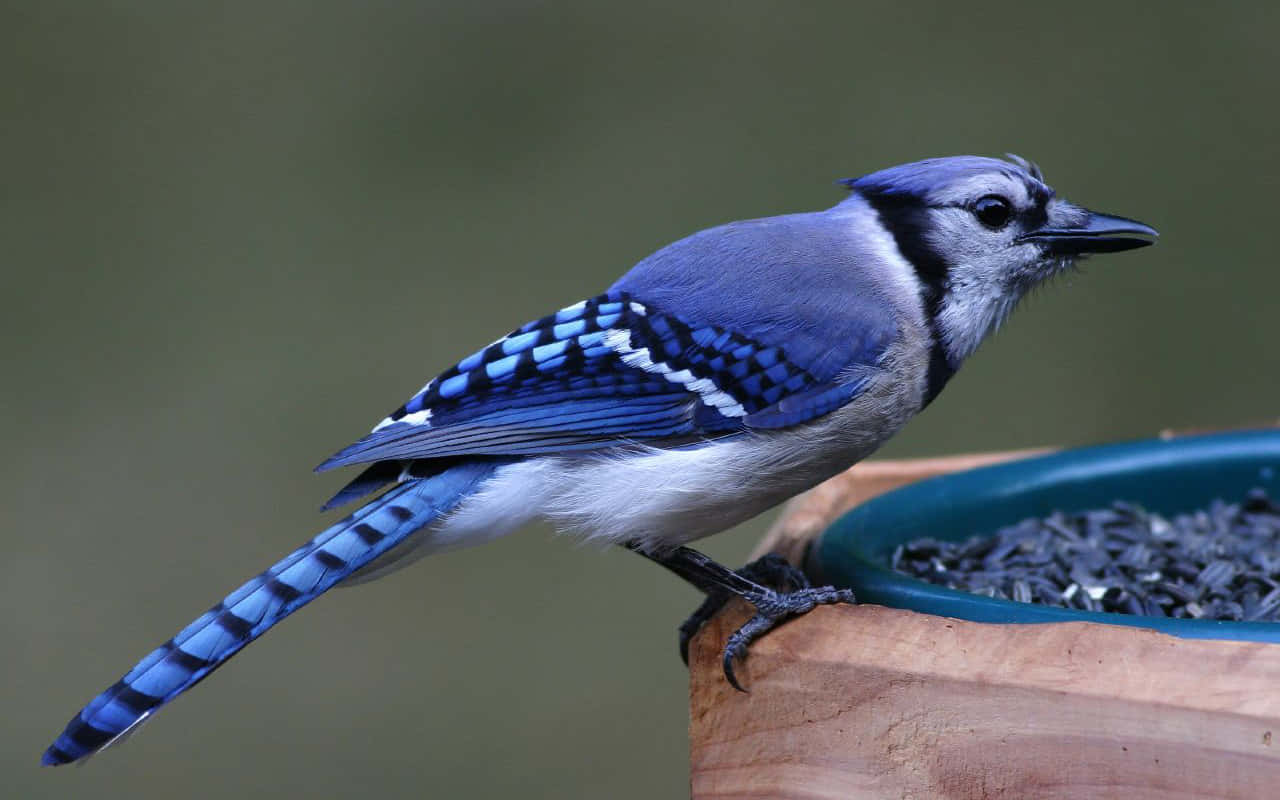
x=974, y=226
x=980, y=233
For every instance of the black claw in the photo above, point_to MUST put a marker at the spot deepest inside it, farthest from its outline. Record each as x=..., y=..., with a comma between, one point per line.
x=771, y=611
x=727, y=661
x=736, y=647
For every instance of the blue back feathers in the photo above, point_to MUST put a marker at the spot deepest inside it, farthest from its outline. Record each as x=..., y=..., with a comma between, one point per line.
x=834, y=317
x=616, y=368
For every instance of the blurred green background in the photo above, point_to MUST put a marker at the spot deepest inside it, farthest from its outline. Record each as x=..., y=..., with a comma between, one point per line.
x=236, y=235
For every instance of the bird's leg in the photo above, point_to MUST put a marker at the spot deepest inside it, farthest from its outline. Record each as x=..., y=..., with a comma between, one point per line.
x=778, y=590
x=771, y=571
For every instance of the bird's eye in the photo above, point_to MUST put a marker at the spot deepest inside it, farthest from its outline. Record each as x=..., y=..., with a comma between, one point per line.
x=993, y=211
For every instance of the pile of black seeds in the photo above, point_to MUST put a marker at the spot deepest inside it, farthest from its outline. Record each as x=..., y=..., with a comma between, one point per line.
x=1219, y=563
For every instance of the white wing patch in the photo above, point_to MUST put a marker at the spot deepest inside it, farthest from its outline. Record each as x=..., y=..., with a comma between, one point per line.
x=620, y=342
x=422, y=417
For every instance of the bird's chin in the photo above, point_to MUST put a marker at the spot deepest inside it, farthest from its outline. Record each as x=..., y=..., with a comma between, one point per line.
x=1057, y=265
x=1042, y=274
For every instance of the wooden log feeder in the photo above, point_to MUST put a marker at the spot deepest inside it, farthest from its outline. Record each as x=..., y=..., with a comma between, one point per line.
x=872, y=702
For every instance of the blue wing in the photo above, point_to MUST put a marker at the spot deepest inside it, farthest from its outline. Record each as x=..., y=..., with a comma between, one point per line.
x=604, y=371
x=780, y=322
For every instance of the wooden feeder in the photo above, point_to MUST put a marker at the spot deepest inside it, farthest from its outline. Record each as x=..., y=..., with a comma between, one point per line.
x=873, y=702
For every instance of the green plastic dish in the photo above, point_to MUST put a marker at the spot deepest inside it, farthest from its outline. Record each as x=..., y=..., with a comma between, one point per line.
x=1167, y=476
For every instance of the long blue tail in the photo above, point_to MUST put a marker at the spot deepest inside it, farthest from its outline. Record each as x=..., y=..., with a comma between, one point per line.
x=251, y=610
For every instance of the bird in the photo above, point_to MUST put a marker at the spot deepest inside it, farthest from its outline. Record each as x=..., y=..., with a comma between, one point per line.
x=718, y=377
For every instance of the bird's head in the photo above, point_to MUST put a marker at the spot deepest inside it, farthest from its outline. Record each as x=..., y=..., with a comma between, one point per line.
x=981, y=232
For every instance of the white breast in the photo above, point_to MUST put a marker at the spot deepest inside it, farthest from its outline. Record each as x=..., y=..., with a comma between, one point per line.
x=671, y=497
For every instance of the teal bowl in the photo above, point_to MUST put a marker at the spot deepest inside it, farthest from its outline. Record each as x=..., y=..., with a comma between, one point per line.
x=1163, y=475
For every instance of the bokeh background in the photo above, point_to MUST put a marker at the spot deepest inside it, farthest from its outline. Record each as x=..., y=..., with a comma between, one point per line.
x=234, y=235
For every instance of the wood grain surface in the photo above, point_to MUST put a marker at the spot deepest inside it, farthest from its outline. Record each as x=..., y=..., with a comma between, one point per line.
x=871, y=702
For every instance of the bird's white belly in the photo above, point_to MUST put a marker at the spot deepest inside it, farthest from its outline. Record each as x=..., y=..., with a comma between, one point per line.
x=664, y=498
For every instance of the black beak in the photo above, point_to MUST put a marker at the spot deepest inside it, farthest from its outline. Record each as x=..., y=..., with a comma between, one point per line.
x=1100, y=233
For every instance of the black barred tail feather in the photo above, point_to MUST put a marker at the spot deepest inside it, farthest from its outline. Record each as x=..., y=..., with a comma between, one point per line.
x=251, y=610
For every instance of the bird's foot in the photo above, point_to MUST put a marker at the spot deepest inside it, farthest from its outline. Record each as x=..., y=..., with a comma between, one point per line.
x=778, y=590
x=769, y=571
x=781, y=592
x=773, y=609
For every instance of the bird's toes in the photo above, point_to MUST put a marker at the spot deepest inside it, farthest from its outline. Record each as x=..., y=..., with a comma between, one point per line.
x=771, y=611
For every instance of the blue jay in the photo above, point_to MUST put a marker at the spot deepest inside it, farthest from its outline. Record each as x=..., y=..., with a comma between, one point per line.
x=718, y=377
